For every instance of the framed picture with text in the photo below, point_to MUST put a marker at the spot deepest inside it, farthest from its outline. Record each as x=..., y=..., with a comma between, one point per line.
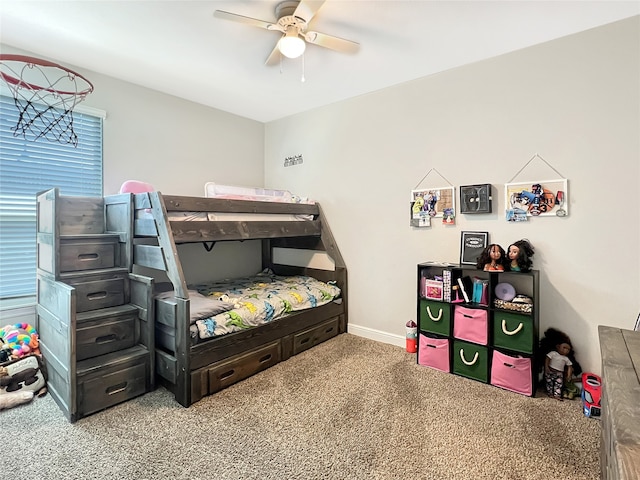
x=471, y=246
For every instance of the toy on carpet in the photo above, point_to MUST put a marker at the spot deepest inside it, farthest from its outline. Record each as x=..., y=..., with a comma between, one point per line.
x=15, y=382
x=5, y=351
x=591, y=394
x=10, y=400
x=23, y=374
x=21, y=339
x=559, y=384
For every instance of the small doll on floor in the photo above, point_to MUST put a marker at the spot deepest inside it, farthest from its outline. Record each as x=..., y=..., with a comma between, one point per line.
x=559, y=364
x=557, y=370
x=492, y=259
x=520, y=254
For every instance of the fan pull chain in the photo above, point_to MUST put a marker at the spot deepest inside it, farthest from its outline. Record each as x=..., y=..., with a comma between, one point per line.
x=303, y=79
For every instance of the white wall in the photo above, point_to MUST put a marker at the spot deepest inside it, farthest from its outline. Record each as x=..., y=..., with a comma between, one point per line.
x=177, y=146
x=574, y=101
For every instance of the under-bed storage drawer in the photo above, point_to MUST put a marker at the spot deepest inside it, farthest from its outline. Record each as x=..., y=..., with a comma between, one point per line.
x=106, y=330
x=234, y=369
x=111, y=379
x=313, y=336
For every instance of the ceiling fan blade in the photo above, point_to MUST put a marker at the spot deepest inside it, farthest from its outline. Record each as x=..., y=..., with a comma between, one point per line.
x=242, y=19
x=274, y=56
x=307, y=9
x=334, y=43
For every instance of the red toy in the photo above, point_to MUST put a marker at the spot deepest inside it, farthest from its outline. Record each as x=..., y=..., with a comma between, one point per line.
x=591, y=391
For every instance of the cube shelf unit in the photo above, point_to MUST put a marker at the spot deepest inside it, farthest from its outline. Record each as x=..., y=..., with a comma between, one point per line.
x=491, y=340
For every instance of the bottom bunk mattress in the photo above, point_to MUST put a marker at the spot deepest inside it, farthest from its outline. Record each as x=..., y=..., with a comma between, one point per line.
x=247, y=302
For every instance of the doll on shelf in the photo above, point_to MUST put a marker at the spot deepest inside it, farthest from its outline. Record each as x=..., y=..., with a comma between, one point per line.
x=520, y=254
x=492, y=259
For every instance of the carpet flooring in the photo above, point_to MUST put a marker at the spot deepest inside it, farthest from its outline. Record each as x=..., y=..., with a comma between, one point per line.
x=350, y=408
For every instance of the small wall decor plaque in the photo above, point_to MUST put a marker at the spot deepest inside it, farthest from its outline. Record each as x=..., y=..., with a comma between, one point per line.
x=475, y=198
x=471, y=246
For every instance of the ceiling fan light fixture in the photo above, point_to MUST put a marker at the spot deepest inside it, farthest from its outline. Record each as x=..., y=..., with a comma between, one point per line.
x=291, y=45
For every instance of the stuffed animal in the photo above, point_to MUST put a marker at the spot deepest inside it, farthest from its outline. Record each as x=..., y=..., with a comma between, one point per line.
x=10, y=400
x=21, y=339
x=24, y=373
x=13, y=383
x=5, y=351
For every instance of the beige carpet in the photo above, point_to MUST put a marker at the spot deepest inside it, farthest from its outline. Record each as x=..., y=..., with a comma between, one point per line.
x=350, y=408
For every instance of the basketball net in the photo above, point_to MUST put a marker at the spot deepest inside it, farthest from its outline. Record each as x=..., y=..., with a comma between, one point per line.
x=45, y=95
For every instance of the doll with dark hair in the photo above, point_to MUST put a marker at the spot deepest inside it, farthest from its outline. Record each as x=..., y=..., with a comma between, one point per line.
x=519, y=256
x=560, y=364
x=492, y=259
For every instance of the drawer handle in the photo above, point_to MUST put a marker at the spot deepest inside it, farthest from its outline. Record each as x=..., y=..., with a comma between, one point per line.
x=112, y=390
x=464, y=360
x=265, y=358
x=106, y=338
x=512, y=332
x=97, y=295
x=330, y=329
x=435, y=319
x=227, y=374
x=87, y=256
x=305, y=341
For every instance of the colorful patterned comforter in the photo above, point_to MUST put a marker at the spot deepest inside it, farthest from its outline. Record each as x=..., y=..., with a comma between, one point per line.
x=261, y=299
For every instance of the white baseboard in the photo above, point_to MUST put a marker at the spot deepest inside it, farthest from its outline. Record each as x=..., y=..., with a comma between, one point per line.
x=377, y=335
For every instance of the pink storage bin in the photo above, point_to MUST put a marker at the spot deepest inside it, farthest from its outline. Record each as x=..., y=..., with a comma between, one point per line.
x=512, y=373
x=471, y=324
x=434, y=353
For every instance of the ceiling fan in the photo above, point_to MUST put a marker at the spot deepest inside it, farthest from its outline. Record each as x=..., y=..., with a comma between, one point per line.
x=293, y=19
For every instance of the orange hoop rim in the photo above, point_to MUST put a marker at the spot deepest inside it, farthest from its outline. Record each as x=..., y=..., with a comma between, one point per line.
x=43, y=63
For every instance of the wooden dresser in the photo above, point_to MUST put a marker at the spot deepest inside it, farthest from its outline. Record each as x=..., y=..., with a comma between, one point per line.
x=620, y=442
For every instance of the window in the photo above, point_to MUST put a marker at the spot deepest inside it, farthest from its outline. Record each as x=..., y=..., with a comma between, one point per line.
x=26, y=168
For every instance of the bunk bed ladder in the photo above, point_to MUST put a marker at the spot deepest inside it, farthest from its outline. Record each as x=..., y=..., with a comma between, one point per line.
x=164, y=257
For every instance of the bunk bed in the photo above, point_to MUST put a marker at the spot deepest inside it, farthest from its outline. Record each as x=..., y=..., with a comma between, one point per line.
x=192, y=367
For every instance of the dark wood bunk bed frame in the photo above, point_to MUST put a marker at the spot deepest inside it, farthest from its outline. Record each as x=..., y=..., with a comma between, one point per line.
x=190, y=371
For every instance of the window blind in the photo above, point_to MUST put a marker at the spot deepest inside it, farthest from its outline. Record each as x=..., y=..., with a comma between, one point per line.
x=28, y=167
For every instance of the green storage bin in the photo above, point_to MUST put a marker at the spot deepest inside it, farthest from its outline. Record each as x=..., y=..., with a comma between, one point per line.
x=435, y=317
x=513, y=331
x=471, y=360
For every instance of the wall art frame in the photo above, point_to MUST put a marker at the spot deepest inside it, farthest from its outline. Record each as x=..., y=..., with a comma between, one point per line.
x=434, y=201
x=539, y=198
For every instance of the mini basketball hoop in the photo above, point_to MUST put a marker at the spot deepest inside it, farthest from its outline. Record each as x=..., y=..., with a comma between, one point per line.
x=45, y=94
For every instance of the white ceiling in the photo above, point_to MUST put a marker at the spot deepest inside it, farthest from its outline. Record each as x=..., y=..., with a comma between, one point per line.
x=178, y=47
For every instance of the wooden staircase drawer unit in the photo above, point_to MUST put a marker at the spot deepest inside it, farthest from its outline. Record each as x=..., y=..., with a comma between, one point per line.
x=90, y=254
x=104, y=331
x=238, y=368
x=309, y=338
x=102, y=386
x=92, y=295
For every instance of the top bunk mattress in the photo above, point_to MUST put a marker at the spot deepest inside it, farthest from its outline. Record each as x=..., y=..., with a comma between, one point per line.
x=173, y=216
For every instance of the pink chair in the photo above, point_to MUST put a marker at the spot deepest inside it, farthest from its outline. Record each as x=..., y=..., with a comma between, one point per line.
x=135, y=186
